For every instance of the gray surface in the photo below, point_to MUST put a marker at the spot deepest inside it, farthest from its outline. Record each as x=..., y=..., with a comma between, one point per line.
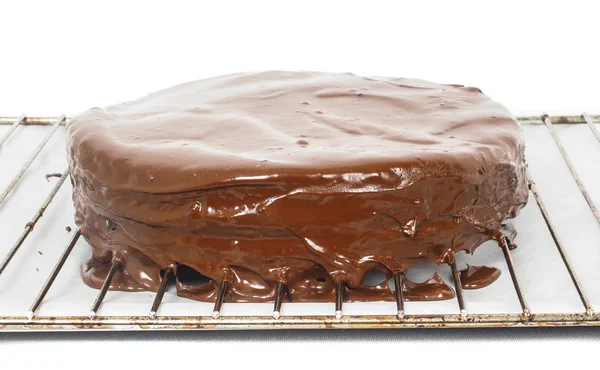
x=399, y=335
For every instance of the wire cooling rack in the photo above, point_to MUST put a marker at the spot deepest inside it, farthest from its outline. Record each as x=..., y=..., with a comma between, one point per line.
x=398, y=318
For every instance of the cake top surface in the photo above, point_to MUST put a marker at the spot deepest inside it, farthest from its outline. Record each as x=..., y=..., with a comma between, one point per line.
x=254, y=128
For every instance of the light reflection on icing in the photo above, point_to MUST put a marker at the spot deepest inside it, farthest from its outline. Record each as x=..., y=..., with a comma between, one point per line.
x=314, y=245
x=254, y=178
x=367, y=258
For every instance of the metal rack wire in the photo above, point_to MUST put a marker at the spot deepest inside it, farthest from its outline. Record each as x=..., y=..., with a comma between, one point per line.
x=30, y=321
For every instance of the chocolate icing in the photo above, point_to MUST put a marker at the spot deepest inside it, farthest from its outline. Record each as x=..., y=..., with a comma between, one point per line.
x=433, y=289
x=300, y=177
x=476, y=277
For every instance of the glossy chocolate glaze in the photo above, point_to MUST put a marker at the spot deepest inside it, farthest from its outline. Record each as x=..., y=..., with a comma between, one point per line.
x=300, y=177
x=476, y=277
x=432, y=289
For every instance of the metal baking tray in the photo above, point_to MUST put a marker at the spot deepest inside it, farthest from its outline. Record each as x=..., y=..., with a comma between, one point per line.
x=549, y=280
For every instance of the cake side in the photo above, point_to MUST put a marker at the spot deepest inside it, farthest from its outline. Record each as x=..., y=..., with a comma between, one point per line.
x=439, y=175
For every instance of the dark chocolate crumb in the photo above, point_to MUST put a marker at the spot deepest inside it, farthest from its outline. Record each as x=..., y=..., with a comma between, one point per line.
x=37, y=269
x=68, y=228
x=56, y=174
x=40, y=253
x=302, y=142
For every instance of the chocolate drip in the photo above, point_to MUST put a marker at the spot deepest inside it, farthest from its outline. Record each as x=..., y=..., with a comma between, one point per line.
x=301, y=178
x=476, y=277
x=433, y=289
x=510, y=232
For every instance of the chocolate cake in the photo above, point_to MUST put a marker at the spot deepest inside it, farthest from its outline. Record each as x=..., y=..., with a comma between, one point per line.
x=303, y=178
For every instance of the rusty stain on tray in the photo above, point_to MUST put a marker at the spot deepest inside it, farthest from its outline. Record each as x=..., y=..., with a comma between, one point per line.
x=295, y=322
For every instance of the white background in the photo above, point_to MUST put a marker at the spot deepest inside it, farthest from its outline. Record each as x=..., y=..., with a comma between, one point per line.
x=534, y=57
x=62, y=56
